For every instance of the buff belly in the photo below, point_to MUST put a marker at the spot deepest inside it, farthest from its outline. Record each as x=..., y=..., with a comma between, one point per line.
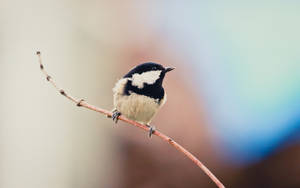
x=137, y=107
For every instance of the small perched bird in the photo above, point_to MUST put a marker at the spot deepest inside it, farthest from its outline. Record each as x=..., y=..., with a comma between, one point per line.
x=139, y=94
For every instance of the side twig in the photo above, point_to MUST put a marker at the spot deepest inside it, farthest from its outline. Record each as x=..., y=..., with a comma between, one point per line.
x=81, y=102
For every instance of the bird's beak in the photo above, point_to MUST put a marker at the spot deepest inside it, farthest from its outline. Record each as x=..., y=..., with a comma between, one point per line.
x=168, y=69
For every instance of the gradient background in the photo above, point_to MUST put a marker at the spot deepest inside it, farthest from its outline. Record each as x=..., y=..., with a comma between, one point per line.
x=233, y=100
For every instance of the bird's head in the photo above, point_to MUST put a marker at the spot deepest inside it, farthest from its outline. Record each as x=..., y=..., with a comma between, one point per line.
x=147, y=73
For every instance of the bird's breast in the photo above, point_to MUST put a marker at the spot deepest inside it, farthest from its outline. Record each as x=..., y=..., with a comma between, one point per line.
x=135, y=106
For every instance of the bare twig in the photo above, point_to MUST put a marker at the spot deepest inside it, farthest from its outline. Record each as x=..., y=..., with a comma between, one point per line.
x=164, y=137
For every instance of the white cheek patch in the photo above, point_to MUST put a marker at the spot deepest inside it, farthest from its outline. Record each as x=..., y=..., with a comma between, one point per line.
x=149, y=77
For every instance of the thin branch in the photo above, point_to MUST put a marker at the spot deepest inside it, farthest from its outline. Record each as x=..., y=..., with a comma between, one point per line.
x=81, y=102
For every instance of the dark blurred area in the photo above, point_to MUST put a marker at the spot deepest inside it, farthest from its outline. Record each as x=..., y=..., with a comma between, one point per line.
x=233, y=99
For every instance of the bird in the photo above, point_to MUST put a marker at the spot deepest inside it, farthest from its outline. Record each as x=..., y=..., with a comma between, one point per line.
x=139, y=94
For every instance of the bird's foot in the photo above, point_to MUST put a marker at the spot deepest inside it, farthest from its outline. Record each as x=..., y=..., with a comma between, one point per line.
x=115, y=115
x=151, y=130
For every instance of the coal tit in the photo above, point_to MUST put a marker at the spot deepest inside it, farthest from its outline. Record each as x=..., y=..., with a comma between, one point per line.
x=139, y=94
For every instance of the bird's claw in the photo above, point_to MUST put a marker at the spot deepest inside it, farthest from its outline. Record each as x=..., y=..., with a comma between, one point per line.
x=151, y=130
x=115, y=116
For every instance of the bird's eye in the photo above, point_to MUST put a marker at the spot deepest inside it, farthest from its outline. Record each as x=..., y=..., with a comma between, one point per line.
x=153, y=68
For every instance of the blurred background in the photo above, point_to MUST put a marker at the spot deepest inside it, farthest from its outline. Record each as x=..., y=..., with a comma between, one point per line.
x=233, y=100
